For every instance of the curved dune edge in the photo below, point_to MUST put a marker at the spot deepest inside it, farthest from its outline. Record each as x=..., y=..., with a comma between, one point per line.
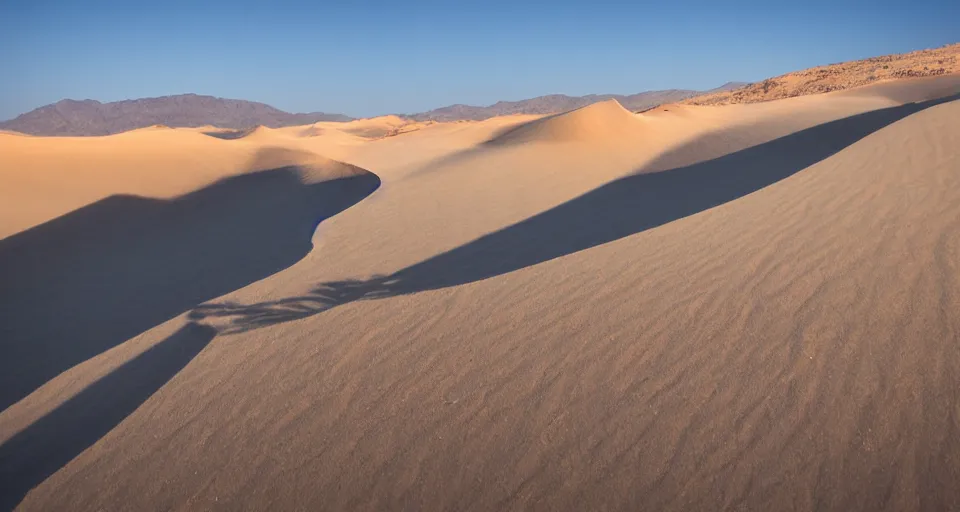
x=310, y=167
x=150, y=260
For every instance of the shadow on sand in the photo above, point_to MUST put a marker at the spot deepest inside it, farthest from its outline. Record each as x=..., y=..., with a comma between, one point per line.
x=230, y=134
x=37, y=452
x=83, y=283
x=613, y=211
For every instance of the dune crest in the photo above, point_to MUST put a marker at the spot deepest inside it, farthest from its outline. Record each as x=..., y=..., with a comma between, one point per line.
x=259, y=131
x=310, y=167
x=604, y=122
x=311, y=131
x=374, y=127
x=152, y=128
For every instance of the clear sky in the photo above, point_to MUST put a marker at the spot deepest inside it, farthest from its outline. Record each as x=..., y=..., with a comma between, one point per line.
x=370, y=57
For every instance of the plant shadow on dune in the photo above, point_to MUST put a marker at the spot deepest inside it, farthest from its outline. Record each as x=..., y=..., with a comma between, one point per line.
x=85, y=282
x=618, y=209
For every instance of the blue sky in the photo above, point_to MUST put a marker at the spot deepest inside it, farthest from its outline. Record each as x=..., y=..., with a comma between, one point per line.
x=370, y=57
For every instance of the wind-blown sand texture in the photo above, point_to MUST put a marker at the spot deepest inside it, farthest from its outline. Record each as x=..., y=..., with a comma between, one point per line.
x=747, y=307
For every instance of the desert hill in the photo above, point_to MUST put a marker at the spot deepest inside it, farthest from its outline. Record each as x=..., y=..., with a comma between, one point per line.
x=601, y=122
x=845, y=75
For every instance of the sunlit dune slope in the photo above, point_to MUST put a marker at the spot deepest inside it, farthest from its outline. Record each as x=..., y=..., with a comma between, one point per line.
x=374, y=127
x=602, y=122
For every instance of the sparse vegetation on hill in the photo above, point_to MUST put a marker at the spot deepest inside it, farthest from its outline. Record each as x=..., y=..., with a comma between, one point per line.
x=844, y=75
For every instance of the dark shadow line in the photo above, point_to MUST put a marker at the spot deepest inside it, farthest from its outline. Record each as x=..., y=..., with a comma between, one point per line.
x=40, y=450
x=230, y=134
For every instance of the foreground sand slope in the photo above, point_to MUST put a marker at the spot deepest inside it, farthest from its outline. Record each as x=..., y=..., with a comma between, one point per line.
x=768, y=322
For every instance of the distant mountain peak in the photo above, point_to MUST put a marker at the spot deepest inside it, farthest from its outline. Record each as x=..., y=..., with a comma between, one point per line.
x=91, y=117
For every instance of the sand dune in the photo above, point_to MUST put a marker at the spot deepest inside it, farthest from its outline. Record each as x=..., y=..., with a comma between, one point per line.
x=227, y=134
x=603, y=122
x=404, y=153
x=746, y=307
x=147, y=258
x=257, y=132
x=904, y=91
x=42, y=180
x=311, y=131
x=373, y=128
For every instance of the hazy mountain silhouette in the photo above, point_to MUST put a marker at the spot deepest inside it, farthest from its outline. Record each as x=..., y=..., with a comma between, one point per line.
x=89, y=117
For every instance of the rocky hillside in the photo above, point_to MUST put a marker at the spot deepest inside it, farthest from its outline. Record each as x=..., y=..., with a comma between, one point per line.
x=845, y=75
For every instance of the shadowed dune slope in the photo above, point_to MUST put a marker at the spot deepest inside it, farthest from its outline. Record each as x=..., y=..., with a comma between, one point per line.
x=230, y=134
x=80, y=284
x=257, y=132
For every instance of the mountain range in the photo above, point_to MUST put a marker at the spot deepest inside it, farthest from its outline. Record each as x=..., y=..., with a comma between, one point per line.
x=90, y=117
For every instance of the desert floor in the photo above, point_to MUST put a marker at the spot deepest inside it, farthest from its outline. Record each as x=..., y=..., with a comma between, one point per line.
x=731, y=307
